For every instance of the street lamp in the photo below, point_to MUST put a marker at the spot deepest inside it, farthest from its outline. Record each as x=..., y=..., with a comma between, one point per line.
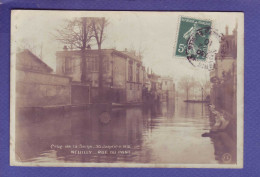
x=201, y=93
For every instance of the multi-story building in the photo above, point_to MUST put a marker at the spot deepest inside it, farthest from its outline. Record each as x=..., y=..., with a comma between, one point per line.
x=122, y=78
x=223, y=77
x=167, y=87
x=161, y=88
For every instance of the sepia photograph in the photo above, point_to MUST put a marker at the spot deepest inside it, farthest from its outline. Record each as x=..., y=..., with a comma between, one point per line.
x=127, y=89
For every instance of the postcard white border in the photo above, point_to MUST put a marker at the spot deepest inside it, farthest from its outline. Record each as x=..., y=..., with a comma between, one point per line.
x=240, y=104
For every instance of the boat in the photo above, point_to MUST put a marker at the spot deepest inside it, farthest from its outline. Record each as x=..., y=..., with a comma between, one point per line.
x=196, y=101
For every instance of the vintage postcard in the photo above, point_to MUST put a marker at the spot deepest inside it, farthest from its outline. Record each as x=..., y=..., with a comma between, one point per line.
x=127, y=89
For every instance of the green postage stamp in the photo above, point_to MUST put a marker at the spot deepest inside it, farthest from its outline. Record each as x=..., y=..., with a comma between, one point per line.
x=193, y=38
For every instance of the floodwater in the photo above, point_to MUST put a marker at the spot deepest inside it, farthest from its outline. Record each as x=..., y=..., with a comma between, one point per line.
x=170, y=132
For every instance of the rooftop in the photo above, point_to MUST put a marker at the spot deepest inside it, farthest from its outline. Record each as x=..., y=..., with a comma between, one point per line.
x=123, y=54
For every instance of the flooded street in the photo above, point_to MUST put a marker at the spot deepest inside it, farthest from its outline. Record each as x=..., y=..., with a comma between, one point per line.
x=165, y=133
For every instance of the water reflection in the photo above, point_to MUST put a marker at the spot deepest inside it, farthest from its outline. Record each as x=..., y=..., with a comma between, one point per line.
x=163, y=133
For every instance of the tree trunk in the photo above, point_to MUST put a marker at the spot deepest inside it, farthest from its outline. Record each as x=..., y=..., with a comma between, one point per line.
x=100, y=75
x=83, y=58
x=187, y=93
x=83, y=68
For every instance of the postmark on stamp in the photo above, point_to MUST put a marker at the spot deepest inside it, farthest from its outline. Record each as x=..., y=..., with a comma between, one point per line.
x=199, y=42
x=194, y=42
x=193, y=38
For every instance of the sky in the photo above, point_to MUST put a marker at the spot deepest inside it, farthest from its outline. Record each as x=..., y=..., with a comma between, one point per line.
x=153, y=32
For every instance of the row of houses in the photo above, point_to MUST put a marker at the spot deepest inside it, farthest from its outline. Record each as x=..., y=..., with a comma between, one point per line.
x=223, y=93
x=224, y=77
x=124, y=79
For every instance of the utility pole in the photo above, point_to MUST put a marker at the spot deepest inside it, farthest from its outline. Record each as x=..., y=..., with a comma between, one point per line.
x=112, y=79
x=201, y=93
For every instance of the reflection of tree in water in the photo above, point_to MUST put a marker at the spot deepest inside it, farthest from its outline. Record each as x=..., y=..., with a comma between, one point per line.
x=190, y=110
x=187, y=105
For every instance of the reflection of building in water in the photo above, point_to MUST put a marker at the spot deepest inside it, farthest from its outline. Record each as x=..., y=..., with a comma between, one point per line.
x=145, y=130
x=123, y=127
x=168, y=108
x=134, y=125
x=33, y=137
x=224, y=146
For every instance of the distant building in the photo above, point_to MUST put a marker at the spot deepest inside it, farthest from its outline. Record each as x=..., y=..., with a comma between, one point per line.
x=154, y=81
x=123, y=72
x=161, y=87
x=167, y=87
x=36, y=85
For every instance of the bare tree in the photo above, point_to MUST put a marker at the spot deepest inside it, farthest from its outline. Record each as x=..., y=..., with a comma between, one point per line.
x=98, y=26
x=206, y=87
x=30, y=44
x=187, y=83
x=77, y=34
x=138, y=50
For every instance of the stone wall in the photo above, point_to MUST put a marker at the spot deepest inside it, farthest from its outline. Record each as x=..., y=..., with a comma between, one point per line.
x=40, y=89
x=80, y=94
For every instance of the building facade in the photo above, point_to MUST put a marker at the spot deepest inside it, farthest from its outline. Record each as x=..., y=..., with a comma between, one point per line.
x=122, y=78
x=167, y=87
x=160, y=88
x=224, y=77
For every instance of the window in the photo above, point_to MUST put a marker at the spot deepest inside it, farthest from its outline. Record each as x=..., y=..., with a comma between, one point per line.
x=92, y=64
x=137, y=74
x=130, y=71
x=105, y=65
x=96, y=64
x=68, y=65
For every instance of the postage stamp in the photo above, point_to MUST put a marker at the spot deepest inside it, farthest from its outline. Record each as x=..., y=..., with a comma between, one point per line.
x=193, y=38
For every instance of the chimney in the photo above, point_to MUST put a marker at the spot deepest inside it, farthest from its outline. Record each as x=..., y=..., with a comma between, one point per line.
x=65, y=48
x=226, y=30
x=235, y=30
x=125, y=49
